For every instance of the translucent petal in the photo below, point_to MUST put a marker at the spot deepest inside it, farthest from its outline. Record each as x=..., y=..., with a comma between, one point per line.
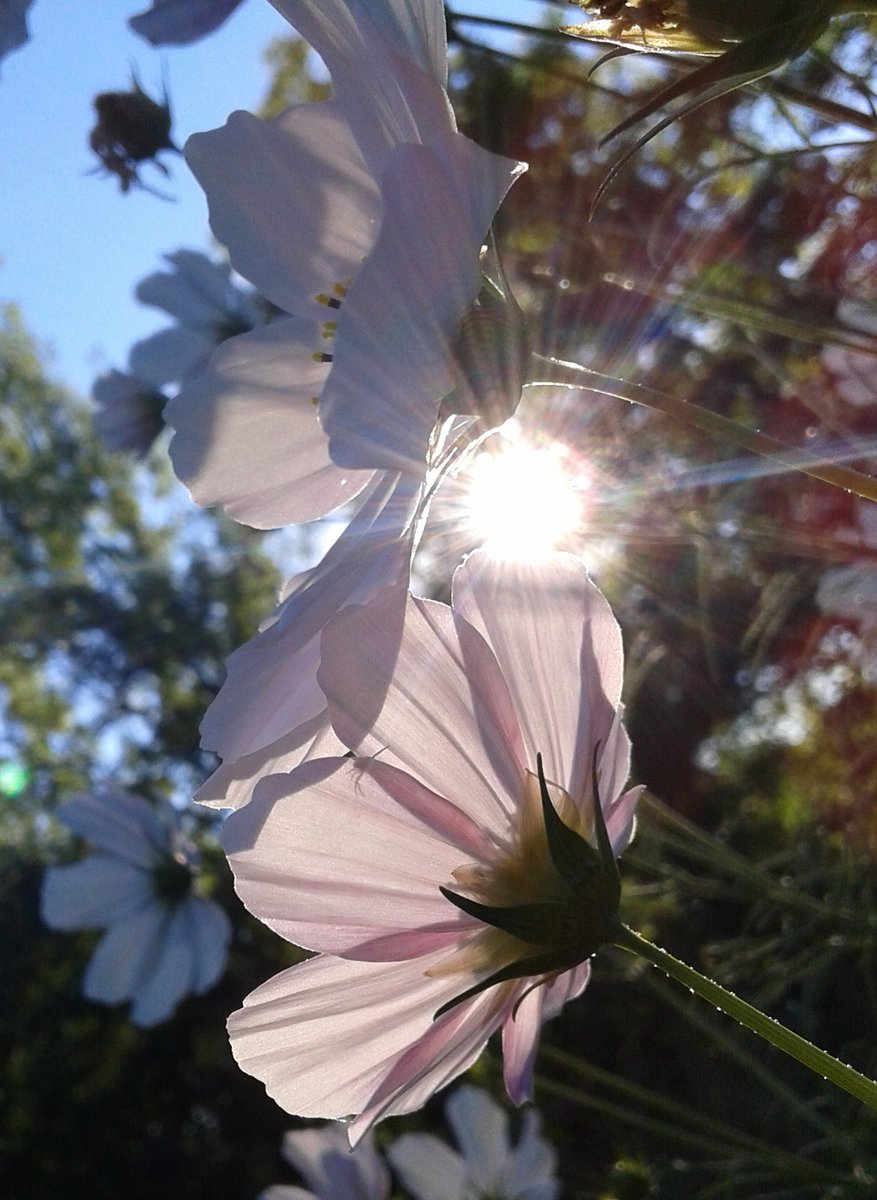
x=93, y=893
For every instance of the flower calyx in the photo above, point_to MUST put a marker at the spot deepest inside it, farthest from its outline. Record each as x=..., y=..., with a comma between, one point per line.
x=563, y=933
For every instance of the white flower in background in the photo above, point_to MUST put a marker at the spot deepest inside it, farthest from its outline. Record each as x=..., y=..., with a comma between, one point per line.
x=161, y=941
x=855, y=371
x=330, y=1169
x=208, y=307
x=128, y=416
x=178, y=22
x=487, y=1166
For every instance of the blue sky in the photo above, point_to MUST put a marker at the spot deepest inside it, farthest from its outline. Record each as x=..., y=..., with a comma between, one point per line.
x=72, y=248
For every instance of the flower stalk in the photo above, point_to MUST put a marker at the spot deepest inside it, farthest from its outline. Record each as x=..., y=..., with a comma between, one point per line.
x=797, y=1047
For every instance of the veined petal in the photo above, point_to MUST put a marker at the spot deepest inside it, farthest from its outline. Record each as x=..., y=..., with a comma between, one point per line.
x=93, y=893
x=342, y=853
x=392, y=359
x=272, y=688
x=332, y=1037
x=446, y=716
x=388, y=67
x=565, y=679
x=119, y=823
x=247, y=435
x=232, y=784
x=291, y=199
x=126, y=956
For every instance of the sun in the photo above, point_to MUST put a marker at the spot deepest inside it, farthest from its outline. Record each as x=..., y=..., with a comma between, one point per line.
x=523, y=500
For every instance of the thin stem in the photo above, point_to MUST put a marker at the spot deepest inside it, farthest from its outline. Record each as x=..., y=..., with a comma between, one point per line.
x=810, y=1056
x=573, y=375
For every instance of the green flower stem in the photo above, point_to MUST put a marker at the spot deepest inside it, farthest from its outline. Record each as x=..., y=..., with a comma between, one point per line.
x=573, y=375
x=818, y=1061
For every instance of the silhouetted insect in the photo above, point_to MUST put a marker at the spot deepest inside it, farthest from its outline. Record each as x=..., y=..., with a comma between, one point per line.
x=131, y=128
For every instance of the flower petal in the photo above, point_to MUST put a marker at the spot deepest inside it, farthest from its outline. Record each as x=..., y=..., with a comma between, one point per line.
x=232, y=784
x=170, y=978
x=170, y=355
x=342, y=853
x=481, y=1130
x=272, y=688
x=322, y=1156
x=428, y=1169
x=291, y=199
x=126, y=956
x=332, y=1037
x=388, y=64
x=393, y=360
x=197, y=292
x=446, y=716
x=92, y=893
x=561, y=655
x=247, y=435
x=119, y=823
x=178, y=22
x=209, y=931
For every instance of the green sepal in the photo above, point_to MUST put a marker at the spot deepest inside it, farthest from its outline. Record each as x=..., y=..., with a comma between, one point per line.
x=537, y=964
x=534, y=923
x=575, y=860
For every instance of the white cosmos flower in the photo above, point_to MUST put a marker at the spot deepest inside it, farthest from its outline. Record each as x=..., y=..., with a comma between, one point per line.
x=178, y=22
x=128, y=412
x=330, y=1169
x=487, y=1166
x=161, y=942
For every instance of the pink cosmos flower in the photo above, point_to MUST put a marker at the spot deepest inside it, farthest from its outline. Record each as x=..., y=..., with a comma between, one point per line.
x=364, y=218
x=447, y=875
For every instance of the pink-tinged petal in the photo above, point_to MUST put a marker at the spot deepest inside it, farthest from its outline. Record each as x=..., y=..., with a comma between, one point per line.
x=387, y=65
x=232, y=784
x=247, y=435
x=427, y=1168
x=119, y=823
x=429, y=724
x=342, y=852
x=520, y=1041
x=325, y=1035
x=560, y=650
x=272, y=688
x=449, y=1047
x=393, y=360
x=322, y=1156
x=291, y=199
x=170, y=355
x=178, y=22
x=209, y=932
x=170, y=978
x=521, y=1029
x=481, y=1130
x=93, y=893
x=126, y=955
